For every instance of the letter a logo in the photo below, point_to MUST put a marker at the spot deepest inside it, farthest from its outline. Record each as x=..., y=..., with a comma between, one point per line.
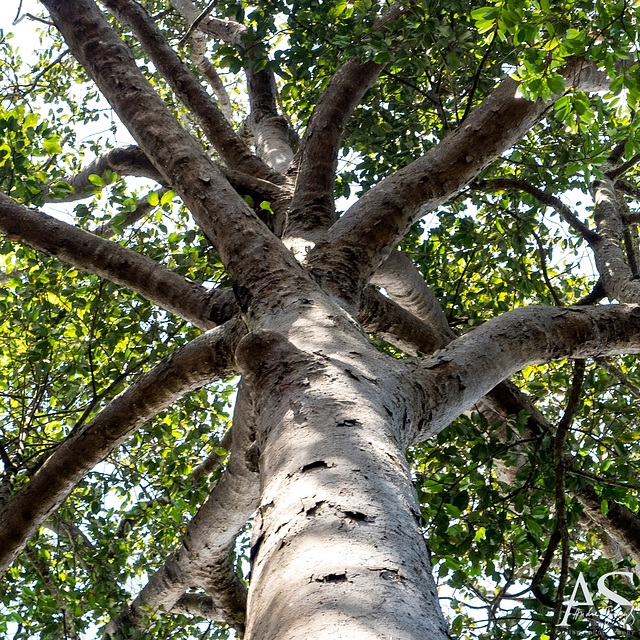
x=580, y=582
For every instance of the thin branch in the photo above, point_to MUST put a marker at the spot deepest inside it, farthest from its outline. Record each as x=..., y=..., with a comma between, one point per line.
x=602, y=480
x=623, y=168
x=543, y=266
x=500, y=184
x=45, y=574
x=560, y=494
x=618, y=373
x=142, y=209
x=214, y=461
x=226, y=30
x=476, y=77
x=208, y=357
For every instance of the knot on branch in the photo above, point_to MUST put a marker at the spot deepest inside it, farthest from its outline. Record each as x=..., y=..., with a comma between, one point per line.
x=262, y=351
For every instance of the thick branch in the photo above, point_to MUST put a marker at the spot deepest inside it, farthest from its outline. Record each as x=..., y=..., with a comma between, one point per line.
x=312, y=207
x=196, y=304
x=254, y=258
x=387, y=319
x=125, y=161
x=406, y=286
x=617, y=276
x=199, y=57
x=203, y=559
x=354, y=247
x=271, y=132
x=217, y=128
x=207, y=358
x=460, y=374
x=619, y=523
x=198, y=605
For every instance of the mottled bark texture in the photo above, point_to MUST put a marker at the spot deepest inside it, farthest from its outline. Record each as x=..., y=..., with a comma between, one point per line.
x=323, y=420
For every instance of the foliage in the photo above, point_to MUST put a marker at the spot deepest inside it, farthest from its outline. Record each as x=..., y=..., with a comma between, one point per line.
x=72, y=341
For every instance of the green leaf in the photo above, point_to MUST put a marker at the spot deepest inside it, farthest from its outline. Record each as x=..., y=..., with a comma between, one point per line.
x=52, y=146
x=451, y=510
x=96, y=180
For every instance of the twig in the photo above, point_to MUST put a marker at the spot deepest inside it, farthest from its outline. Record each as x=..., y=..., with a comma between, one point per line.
x=15, y=20
x=476, y=78
x=545, y=274
x=196, y=23
x=499, y=184
x=561, y=500
x=618, y=373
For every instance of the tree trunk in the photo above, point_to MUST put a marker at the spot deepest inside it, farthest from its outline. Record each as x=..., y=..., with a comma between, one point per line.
x=337, y=550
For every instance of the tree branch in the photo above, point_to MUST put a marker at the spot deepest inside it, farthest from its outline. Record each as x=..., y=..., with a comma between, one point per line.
x=207, y=358
x=354, y=247
x=199, y=57
x=620, y=523
x=312, y=207
x=125, y=161
x=143, y=208
x=44, y=572
x=617, y=276
x=214, y=460
x=198, y=605
x=193, y=302
x=406, y=286
x=225, y=30
x=500, y=184
x=387, y=319
x=457, y=376
x=272, y=133
x=216, y=127
x=254, y=258
x=203, y=559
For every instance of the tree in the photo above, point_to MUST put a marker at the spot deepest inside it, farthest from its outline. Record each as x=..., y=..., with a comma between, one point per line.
x=430, y=363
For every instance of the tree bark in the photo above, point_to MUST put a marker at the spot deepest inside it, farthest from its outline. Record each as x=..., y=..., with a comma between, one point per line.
x=337, y=548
